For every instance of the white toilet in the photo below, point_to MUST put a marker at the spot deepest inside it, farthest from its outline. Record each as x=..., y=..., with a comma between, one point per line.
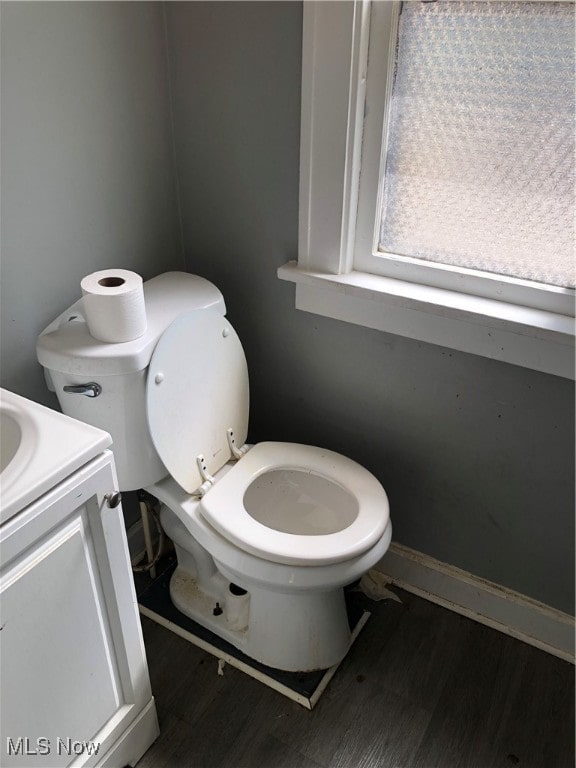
x=267, y=536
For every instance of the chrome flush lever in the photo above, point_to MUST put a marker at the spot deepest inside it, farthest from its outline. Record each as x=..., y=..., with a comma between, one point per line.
x=89, y=390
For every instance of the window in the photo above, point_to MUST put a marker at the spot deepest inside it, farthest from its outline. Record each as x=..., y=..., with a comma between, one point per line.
x=437, y=176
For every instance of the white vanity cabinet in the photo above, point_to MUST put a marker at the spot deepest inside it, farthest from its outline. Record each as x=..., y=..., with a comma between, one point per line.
x=74, y=685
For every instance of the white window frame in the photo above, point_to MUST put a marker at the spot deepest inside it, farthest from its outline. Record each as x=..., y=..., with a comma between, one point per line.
x=505, y=319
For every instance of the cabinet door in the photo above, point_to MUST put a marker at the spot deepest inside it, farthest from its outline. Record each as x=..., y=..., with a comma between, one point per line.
x=73, y=666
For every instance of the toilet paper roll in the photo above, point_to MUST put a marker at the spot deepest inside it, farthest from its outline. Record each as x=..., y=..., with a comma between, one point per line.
x=114, y=305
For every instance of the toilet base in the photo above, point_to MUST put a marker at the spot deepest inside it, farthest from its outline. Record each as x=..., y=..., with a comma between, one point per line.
x=305, y=689
x=295, y=632
x=288, y=617
x=203, y=608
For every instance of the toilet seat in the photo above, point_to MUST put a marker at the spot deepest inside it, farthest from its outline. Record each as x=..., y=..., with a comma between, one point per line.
x=224, y=507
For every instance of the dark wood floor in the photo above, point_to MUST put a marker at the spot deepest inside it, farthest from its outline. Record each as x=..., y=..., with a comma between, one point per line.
x=422, y=688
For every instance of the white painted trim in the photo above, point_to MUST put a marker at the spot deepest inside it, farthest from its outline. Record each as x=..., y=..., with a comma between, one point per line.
x=354, y=131
x=328, y=49
x=488, y=603
x=337, y=208
x=531, y=338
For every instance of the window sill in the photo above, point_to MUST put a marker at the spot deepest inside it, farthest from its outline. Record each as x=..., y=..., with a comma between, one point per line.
x=542, y=341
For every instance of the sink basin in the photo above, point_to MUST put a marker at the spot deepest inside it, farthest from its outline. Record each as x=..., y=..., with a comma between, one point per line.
x=39, y=448
x=18, y=438
x=10, y=439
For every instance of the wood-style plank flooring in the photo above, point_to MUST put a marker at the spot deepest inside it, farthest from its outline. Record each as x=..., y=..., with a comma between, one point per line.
x=422, y=688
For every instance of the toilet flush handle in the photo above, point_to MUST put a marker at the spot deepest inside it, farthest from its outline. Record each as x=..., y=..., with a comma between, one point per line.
x=92, y=389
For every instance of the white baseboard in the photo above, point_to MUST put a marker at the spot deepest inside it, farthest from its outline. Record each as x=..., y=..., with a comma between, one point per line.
x=481, y=600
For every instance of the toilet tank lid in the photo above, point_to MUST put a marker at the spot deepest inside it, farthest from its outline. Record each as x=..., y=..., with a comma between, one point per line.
x=67, y=346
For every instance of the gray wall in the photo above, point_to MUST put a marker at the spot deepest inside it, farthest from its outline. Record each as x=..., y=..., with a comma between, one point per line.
x=477, y=456
x=87, y=162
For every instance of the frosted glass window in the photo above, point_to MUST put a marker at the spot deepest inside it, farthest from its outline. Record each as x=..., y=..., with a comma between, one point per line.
x=480, y=161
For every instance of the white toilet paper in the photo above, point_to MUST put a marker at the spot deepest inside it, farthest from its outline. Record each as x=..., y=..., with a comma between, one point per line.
x=114, y=305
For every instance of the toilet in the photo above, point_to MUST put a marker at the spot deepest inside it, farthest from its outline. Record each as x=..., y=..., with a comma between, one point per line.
x=266, y=535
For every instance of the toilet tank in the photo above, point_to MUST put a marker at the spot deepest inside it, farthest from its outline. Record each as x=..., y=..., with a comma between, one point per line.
x=72, y=357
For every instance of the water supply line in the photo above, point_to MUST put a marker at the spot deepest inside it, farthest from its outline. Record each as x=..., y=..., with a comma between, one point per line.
x=147, y=511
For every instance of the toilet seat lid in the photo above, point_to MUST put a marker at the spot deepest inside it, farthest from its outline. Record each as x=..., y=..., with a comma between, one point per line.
x=197, y=389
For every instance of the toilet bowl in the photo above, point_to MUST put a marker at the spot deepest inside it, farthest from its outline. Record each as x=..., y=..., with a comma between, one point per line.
x=296, y=616
x=266, y=536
